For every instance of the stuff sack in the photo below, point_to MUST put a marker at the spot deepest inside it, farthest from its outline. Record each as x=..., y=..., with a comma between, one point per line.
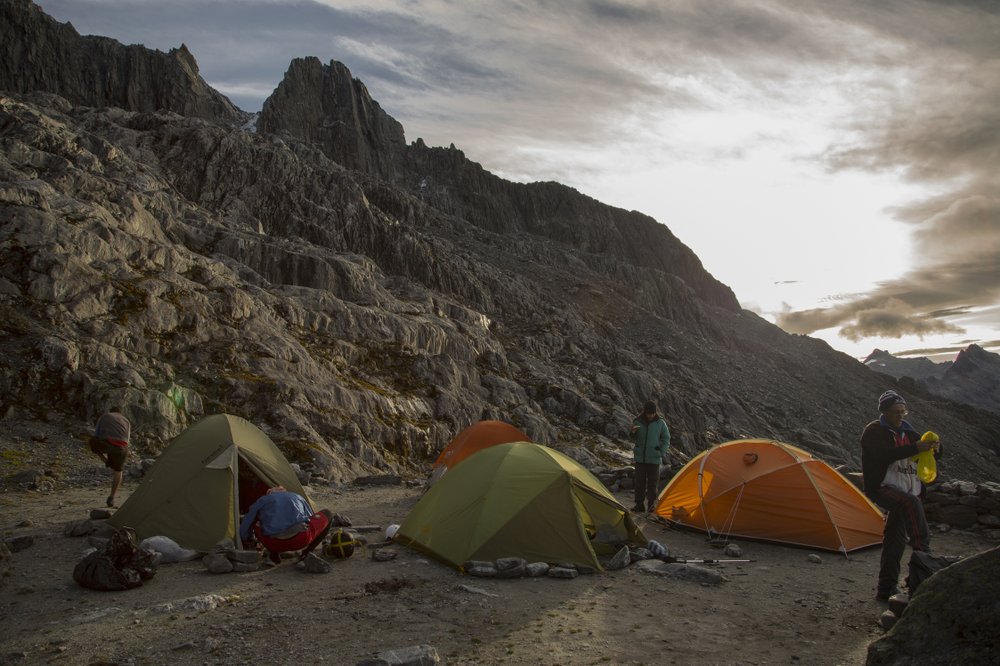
x=121, y=565
x=923, y=566
x=926, y=462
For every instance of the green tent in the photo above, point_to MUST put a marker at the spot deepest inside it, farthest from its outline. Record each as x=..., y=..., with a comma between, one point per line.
x=519, y=500
x=191, y=493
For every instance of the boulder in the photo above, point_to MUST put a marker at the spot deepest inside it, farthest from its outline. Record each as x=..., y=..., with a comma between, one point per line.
x=951, y=619
x=678, y=571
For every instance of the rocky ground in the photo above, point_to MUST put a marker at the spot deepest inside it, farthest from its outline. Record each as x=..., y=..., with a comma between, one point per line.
x=779, y=608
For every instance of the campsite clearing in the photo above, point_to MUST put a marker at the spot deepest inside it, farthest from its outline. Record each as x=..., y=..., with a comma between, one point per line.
x=778, y=609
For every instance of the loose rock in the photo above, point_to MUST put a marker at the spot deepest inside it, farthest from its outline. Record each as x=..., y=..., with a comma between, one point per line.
x=622, y=559
x=315, y=564
x=562, y=572
x=418, y=655
x=536, y=569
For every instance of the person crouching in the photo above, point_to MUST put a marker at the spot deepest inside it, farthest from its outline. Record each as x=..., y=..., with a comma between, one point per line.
x=283, y=521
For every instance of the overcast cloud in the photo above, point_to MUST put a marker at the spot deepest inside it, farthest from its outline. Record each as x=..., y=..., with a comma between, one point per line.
x=567, y=90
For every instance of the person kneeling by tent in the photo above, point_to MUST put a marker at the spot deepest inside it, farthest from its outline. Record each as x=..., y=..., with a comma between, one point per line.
x=283, y=521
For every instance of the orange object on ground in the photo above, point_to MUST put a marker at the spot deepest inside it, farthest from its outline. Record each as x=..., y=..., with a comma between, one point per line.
x=771, y=491
x=476, y=437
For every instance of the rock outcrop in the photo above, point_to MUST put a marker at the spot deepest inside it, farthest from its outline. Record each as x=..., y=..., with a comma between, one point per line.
x=39, y=53
x=181, y=266
x=324, y=105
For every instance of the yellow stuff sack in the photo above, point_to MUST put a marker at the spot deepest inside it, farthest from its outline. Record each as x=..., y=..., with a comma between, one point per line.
x=926, y=464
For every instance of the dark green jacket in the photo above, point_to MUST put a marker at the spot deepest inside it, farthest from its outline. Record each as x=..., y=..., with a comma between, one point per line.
x=651, y=441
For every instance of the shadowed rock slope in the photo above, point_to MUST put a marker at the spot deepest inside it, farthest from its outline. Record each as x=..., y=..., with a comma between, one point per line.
x=363, y=308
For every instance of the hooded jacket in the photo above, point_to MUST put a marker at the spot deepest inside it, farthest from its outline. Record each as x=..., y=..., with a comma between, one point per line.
x=651, y=441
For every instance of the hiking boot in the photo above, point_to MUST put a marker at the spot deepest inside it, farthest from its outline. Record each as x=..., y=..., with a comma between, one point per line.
x=274, y=557
x=884, y=595
x=638, y=508
x=111, y=501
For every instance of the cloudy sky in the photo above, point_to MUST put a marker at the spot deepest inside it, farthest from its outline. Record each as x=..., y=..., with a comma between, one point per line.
x=837, y=163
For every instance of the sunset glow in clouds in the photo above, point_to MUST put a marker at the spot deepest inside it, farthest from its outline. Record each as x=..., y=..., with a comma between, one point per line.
x=834, y=163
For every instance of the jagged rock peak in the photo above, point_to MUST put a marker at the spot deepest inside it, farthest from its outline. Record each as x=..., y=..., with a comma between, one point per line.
x=38, y=53
x=324, y=104
x=974, y=358
x=877, y=355
x=921, y=368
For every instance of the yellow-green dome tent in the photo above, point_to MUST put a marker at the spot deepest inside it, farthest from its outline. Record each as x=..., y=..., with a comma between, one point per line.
x=519, y=500
x=191, y=493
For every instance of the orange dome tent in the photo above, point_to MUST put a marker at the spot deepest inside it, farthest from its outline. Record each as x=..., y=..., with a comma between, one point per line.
x=761, y=489
x=476, y=437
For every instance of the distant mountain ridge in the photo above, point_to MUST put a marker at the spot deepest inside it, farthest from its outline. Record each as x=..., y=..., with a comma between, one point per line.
x=360, y=298
x=972, y=378
x=918, y=368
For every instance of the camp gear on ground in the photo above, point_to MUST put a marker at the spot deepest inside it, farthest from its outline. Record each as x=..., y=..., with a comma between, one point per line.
x=341, y=545
x=190, y=494
x=120, y=565
x=476, y=437
x=657, y=549
x=926, y=462
x=519, y=500
x=923, y=565
x=168, y=550
x=785, y=495
x=684, y=560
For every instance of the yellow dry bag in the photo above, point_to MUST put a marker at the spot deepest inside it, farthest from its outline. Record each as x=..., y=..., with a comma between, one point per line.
x=926, y=464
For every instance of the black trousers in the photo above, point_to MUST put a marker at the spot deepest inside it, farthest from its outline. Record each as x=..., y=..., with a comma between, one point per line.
x=647, y=476
x=904, y=518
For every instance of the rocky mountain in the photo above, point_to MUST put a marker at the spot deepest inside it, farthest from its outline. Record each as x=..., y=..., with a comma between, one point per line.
x=360, y=298
x=921, y=368
x=972, y=378
x=38, y=53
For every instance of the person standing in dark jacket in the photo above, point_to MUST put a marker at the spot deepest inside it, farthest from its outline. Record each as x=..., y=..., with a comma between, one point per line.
x=891, y=481
x=651, y=439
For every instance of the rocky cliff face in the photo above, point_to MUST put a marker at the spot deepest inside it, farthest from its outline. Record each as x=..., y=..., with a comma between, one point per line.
x=181, y=266
x=39, y=53
x=324, y=105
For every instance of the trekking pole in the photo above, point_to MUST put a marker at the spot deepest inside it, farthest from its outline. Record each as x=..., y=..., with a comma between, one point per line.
x=680, y=560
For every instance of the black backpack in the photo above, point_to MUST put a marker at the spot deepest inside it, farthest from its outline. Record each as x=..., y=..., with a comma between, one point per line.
x=922, y=566
x=120, y=565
